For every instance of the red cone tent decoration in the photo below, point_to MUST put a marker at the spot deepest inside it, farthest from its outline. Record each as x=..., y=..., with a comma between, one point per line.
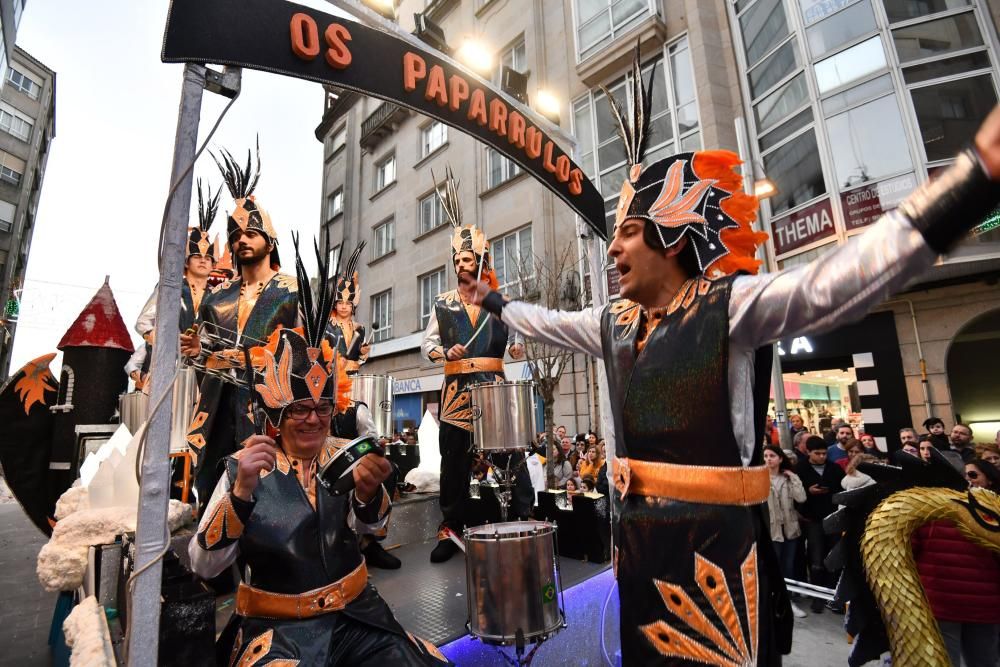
x=100, y=324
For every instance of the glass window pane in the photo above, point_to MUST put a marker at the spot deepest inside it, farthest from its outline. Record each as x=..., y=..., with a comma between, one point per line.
x=901, y=10
x=588, y=8
x=949, y=113
x=796, y=171
x=776, y=67
x=781, y=102
x=583, y=126
x=680, y=69
x=859, y=93
x=607, y=126
x=687, y=117
x=611, y=182
x=593, y=32
x=817, y=10
x=868, y=142
x=786, y=129
x=840, y=28
x=662, y=129
x=763, y=26
x=850, y=65
x=659, y=101
x=939, y=68
x=650, y=158
x=691, y=142
x=936, y=38
x=622, y=10
x=611, y=154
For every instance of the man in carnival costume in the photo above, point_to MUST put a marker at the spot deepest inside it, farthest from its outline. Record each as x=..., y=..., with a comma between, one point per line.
x=686, y=344
x=235, y=314
x=305, y=599
x=349, y=334
x=471, y=345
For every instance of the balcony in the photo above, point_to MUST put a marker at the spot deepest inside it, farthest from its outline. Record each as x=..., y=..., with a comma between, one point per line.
x=381, y=123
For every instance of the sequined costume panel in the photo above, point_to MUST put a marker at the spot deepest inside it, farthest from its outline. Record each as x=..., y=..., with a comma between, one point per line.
x=350, y=339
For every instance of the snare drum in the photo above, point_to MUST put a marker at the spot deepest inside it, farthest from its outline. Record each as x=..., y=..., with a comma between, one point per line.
x=184, y=403
x=503, y=415
x=375, y=391
x=513, y=582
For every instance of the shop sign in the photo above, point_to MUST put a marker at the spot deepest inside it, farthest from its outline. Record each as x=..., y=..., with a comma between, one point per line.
x=301, y=42
x=868, y=203
x=801, y=228
x=798, y=345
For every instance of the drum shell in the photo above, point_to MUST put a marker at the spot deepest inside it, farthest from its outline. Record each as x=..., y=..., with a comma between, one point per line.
x=512, y=581
x=375, y=391
x=503, y=415
x=185, y=402
x=133, y=409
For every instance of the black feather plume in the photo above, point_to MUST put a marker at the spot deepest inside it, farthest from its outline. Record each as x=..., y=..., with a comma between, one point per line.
x=207, y=207
x=634, y=130
x=352, y=262
x=240, y=181
x=314, y=306
x=447, y=193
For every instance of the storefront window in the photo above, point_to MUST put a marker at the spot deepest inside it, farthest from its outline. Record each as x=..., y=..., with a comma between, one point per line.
x=796, y=171
x=949, y=113
x=840, y=28
x=937, y=38
x=764, y=25
x=902, y=10
x=868, y=142
x=850, y=65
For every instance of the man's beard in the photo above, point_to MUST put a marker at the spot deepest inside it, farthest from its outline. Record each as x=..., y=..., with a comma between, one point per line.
x=256, y=258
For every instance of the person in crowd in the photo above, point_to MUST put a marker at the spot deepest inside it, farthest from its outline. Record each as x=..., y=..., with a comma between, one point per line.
x=908, y=442
x=602, y=448
x=868, y=442
x=989, y=452
x=592, y=464
x=562, y=471
x=927, y=444
x=579, y=454
x=587, y=484
x=821, y=480
x=771, y=434
x=854, y=450
x=786, y=490
x=935, y=429
x=796, y=425
x=983, y=475
x=830, y=435
x=799, y=444
x=843, y=434
x=571, y=487
x=560, y=432
x=854, y=478
x=960, y=441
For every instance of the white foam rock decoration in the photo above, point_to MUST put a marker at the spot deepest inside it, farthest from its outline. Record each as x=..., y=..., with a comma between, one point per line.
x=86, y=630
x=119, y=440
x=427, y=436
x=114, y=484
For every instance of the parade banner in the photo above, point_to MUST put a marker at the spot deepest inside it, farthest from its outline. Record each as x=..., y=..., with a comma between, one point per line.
x=289, y=39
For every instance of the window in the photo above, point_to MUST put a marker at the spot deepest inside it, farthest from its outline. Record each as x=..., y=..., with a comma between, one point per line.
x=868, y=143
x=796, y=171
x=334, y=259
x=385, y=173
x=841, y=28
x=782, y=102
x=774, y=68
x=499, y=169
x=850, y=65
x=382, y=316
x=601, y=21
x=384, y=236
x=936, y=38
x=432, y=137
x=763, y=26
x=903, y=10
x=11, y=168
x=514, y=262
x=15, y=123
x=23, y=83
x=335, y=204
x=431, y=213
x=6, y=216
x=336, y=141
x=430, y=286
x=515, y=57
x=949, y=113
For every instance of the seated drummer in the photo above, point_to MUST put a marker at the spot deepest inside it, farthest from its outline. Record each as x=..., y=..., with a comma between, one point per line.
x=305, y=599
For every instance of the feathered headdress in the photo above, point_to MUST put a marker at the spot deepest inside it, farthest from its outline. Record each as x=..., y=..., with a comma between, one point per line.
x=300, y=363
x=208, y=206
x=348, y=286
x=697, y=196
x=241, y=182
x=464, y=238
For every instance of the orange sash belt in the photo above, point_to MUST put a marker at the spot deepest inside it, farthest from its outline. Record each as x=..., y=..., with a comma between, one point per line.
x=252, y=601
x=473, y=365
x=711, y=485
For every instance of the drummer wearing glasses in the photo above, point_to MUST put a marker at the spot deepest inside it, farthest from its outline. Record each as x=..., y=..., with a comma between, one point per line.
x=471, y=345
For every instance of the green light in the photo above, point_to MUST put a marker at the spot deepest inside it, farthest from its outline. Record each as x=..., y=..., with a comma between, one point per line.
x=11, y=309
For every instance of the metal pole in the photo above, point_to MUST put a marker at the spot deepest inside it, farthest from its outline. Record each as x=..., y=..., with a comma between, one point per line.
x=777, y=381
x=151, y=526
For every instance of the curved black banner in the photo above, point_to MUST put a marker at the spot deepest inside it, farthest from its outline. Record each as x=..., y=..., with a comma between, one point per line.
x=293, y=40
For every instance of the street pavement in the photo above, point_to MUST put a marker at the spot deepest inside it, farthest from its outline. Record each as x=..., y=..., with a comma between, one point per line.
x=26, y=610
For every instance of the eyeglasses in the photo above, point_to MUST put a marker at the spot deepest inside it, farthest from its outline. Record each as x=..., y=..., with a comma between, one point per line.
x=300, y=411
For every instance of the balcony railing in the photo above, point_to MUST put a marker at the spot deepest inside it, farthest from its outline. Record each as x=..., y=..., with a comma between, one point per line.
x=381, y=123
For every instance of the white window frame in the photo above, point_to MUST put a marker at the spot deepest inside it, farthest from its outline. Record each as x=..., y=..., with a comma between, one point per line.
x=14, y=123
x=7, y=225
x=431, y=292
x=24, y=83
x=515, y=56
x=338, y=139
x=332, y=259
x=383, y=238
x=508, y=168
x=335, y=203
x=512, y=285
x=437, y=213
x=614, y=30
x=433, y=137
x=381, y=312
x=381, y=172
x=7, y=172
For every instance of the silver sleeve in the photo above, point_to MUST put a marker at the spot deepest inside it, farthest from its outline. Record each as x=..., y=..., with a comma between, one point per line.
x=432, y=338
x=207, y=564
x=146, y=321
x=839, y=287
x=366, y=425
x=579, y=331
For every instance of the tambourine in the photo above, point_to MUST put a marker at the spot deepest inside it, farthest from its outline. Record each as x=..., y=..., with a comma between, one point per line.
x=336, y=475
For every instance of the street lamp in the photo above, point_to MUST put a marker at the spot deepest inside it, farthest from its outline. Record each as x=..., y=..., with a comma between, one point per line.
x=764, y=188
x=386, y=8
x=548, y=104
x=475, y=54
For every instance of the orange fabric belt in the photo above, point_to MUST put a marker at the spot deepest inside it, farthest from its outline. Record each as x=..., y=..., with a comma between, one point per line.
x=473, y=365
x=711, y=485
x=252, y=601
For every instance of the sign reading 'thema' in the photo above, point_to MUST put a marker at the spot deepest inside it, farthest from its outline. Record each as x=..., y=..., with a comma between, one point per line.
x=301, y=42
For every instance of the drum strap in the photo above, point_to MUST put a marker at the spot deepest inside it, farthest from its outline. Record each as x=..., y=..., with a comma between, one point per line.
x=252, y=601
x=474, y=365
x=713, y=485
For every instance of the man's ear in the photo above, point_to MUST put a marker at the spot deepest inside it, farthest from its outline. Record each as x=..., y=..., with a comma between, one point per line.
x=676, y=248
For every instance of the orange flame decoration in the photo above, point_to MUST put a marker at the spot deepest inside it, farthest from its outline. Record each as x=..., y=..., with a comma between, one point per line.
x=742, y=241
x=36, y=381
x=344, y=384
x=673, y=209
x=276, y=390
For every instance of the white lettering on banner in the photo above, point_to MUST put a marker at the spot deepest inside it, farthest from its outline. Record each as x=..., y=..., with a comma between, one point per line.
x=412, y=386
x=804, y=228
x=800, y=344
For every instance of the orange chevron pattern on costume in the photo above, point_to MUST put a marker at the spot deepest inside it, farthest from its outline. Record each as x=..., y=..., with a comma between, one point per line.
x=36, y=381
x=456, y=407
x=256, y=649
x=224, y=524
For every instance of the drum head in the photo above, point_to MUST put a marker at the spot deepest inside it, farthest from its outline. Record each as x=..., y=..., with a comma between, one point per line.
x=337, y=473
x=508, y=530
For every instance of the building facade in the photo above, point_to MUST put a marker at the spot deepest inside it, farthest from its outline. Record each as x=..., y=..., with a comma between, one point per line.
x=847, y=106
x=27, y=127
x=10, y=19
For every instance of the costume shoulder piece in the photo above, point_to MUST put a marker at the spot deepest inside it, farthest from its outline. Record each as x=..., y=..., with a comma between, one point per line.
x=697, y=196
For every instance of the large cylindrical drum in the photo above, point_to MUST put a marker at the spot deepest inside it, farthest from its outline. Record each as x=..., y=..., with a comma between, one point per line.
x=375, y=391
x=513, y=581
x=185, y=402
x=133, y=409
x=503, y=415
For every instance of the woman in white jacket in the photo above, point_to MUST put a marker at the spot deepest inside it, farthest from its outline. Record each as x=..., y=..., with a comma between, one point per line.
x=786, y=490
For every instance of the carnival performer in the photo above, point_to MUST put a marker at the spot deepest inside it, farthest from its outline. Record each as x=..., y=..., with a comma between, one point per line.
x=237, y=313
x=306, y=599
x=198, y=265
x=349, y=334
x=688, y=378
x=471, y=345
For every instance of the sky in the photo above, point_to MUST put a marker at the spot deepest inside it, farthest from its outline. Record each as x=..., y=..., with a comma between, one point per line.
x=107, y=175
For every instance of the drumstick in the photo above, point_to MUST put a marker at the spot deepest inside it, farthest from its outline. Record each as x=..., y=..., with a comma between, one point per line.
x=478, y=329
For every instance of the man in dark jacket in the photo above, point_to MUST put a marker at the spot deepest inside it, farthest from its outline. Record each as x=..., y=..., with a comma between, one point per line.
x=821, y=480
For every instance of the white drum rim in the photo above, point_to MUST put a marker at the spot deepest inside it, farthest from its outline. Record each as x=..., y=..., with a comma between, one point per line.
x=527, y=529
